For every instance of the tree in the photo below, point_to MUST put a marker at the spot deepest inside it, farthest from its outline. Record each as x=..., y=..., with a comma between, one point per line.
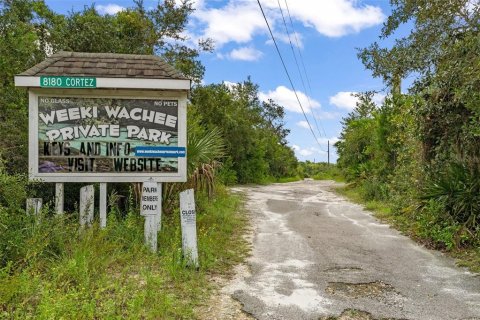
x=254, y=131
x=137, y=30
x=22, y=44
x=356, y=139
x=433, y=132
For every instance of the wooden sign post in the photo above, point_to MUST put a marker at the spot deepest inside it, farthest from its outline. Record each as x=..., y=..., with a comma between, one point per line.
x=159, y=212
x=34, y=206
x=103, y=205
x=189, y=227
x=86, y=205
x=149, y=209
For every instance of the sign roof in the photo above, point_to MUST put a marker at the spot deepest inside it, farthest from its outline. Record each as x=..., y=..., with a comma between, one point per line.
x=104, y=65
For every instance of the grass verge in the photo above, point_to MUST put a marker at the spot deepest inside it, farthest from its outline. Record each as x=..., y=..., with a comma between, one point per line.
x=270, y=180
x=407, y=224
x=51, y=270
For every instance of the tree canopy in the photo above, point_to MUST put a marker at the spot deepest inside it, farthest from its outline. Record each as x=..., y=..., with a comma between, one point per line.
x=422, y=149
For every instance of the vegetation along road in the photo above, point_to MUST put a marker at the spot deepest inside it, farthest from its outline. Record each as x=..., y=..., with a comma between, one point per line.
x=317, y=256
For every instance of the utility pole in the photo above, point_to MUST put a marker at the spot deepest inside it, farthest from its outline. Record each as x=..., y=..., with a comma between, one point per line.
x=328, y=152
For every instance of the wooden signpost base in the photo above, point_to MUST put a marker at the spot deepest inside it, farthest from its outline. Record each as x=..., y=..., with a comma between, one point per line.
x=103, y=205
x=59, y=202
x=86, y=205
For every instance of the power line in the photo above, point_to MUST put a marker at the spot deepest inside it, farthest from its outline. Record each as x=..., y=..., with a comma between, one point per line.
x=286, y=71
x=298, y=67
x=301, y=60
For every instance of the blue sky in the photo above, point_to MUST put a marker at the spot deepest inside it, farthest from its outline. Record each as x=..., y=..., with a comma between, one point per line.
x=329, y=31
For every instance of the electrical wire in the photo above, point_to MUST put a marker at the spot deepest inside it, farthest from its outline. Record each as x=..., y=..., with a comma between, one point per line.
x=298, y=68
x=288, y=74
x=301, y=60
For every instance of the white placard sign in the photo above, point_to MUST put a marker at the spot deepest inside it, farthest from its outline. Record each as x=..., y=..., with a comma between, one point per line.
x=92, y=138
x=189, y=226
x=150, y=195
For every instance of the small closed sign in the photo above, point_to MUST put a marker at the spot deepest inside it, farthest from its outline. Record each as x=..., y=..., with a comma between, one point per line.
x=188, y=222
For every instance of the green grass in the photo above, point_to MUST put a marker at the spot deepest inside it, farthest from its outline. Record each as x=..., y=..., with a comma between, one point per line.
x=269, y=180
x=380, y=208
x=412, y=225
x=329, y=176
x=51, y=270
x=288, y=179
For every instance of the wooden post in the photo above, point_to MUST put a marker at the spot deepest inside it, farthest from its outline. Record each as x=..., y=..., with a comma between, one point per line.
x=34, y=206
x=59, y=192
x=86, y=205
x=149, y=209
x=150, y=232
x=159, y=213
x=103, y=205
x=189, y=227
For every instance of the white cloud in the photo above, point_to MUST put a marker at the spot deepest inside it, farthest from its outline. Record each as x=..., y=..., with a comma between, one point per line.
x=286, y=98
x=344, y=100
x=303, y=124
x=347, y=101
x=333, y=18
x=245, y=54
x=324, y=141
x=305, y=152
x=240, y=20
x=110, y=8
x=283, y=37
x=195, y=3
x=318, y=151
x=326, y=115
x=378, y=98
x=230, y=85
x=471, y=6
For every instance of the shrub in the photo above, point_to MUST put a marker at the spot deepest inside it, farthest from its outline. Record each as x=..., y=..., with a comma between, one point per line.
x=456, y=192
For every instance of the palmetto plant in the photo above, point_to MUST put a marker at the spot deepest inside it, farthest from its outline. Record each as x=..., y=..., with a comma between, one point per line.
x=457, y=191
x=204, y=150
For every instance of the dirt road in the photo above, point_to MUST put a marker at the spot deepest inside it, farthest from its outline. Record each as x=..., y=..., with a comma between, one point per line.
x=317, y=255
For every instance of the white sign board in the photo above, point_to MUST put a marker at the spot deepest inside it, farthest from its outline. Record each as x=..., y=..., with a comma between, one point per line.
x=189, y=226
x=105, y=138
x=150, y=196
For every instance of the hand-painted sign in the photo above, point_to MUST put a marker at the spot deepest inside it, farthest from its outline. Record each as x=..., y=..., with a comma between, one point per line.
x=67, y=82
x=150, y=195
x=106, y=136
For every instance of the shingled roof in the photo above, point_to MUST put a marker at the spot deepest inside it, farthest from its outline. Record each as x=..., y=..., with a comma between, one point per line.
x=104, y=65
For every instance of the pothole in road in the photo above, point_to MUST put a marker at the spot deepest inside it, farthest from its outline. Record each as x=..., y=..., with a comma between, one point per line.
x=352, y=314
x=359, y=290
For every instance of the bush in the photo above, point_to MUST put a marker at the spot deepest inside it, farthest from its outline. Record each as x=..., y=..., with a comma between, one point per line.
x=373, y=189
x=12, y=190
x=456, y=194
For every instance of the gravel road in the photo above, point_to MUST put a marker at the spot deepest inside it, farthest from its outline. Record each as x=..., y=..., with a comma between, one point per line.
x=317, y=255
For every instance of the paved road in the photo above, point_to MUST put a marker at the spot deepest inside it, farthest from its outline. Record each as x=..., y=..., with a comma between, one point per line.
x=316, y=255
